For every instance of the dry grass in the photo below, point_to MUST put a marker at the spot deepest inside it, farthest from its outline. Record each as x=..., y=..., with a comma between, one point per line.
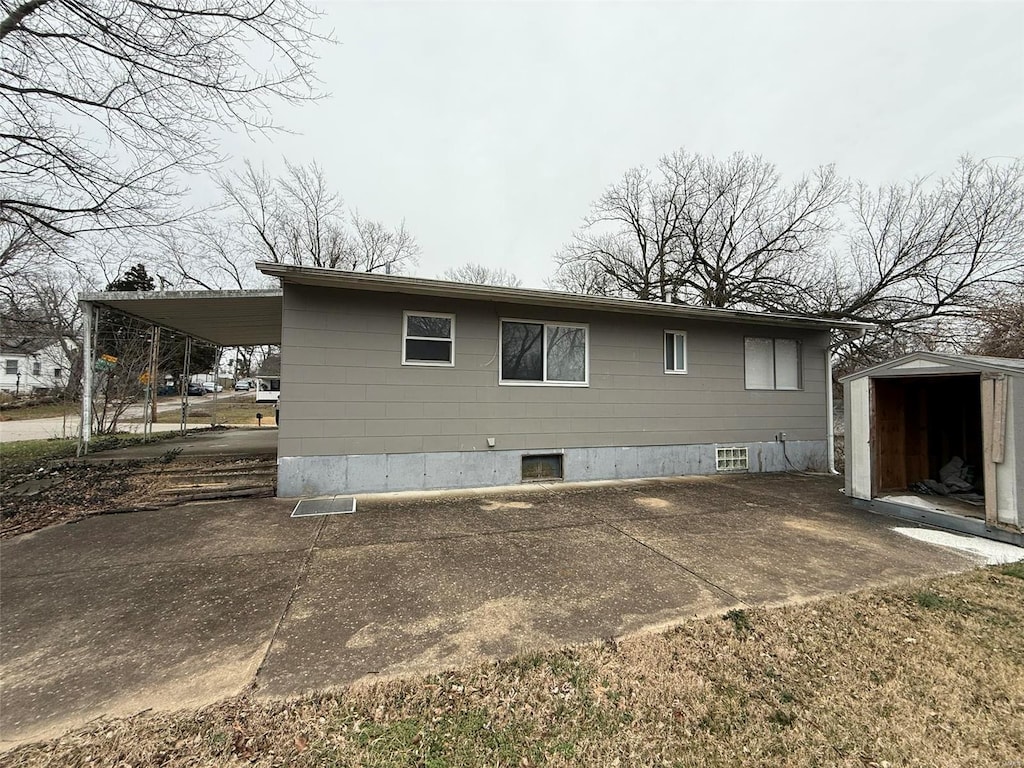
x=931, y=674
x=67, y=408
x=222, y=412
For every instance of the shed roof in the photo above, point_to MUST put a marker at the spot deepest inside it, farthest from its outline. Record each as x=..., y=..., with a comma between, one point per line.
x=362, y=281
x=924, y=363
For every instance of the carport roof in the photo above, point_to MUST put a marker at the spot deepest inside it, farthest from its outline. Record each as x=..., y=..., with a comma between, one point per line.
x=225, y=318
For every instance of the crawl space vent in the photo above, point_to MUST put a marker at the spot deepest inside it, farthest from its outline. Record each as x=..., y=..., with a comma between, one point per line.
x=542, y=467
x=731, y=459
x=329, y=505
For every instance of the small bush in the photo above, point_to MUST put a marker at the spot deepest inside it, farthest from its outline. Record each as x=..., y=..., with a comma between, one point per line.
x=740, y=621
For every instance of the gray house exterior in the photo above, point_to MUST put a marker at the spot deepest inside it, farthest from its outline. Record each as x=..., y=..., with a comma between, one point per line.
x=393, y=384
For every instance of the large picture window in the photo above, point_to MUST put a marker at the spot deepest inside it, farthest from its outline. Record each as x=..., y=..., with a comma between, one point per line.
x=543, y=353
x=428, y=338
x=771, y=363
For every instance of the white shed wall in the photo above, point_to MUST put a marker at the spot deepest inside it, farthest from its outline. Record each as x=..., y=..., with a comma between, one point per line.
x=1007, y=490
x=858, y=439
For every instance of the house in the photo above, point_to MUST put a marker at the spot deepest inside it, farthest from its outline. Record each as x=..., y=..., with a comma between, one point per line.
x=28, y=365
x=939, y=438
x=396, y=383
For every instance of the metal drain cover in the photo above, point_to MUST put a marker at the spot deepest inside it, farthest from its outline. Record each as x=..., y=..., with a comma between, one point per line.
x=328, y=505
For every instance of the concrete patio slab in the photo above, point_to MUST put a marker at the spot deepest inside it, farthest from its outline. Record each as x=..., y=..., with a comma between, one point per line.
x=410, y=608
x=119, y=613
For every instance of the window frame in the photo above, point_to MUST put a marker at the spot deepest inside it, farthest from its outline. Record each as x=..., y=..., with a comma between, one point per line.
x=545, y=324
x=405, y=337
x=686, y=351
x=9, y=365
x=775, y=369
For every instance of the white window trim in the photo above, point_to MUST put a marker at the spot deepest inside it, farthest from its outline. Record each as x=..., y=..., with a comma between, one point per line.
x=775, y=372
x=406, y=336
x=686, y=351
x=544, y=353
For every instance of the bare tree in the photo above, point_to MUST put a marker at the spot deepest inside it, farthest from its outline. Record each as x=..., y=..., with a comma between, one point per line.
x=1000, y=328
x=629, y=237
x=297, y=218
x=704, y=231
x=923, y=259
x=918, y=259
x=478, y=274
x=101, y=101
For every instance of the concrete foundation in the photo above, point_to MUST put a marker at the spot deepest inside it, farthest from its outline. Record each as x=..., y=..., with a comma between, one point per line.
x=327, y=475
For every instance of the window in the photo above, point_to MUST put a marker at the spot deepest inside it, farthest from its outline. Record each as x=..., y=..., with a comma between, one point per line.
x=11, y=367
x=37, y=368
x=543, y=353
x=771, y=363
x=428, y=338
x=675, y=351
x=57, y=373
x=731, y=459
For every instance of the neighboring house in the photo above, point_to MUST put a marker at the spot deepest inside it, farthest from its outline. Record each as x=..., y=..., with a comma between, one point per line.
x=29, y=365
x=391, y=383
x=939, y=438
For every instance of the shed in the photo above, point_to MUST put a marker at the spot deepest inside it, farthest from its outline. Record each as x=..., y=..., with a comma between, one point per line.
x=939, y=438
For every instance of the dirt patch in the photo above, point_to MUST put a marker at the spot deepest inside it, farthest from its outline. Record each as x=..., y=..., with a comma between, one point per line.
x=63, y=492
x=924, y=675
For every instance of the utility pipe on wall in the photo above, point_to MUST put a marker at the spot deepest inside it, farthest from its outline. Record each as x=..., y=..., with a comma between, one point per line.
x=830, y=438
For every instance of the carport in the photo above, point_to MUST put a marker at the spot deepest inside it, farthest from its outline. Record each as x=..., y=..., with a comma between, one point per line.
x=939, y=438
x=221, y=318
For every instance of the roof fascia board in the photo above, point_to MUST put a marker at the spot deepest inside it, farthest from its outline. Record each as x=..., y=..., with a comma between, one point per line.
x=103, y=297
x=329, y=278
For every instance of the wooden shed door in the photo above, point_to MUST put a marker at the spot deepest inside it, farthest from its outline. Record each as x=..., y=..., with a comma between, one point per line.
x=888, y=435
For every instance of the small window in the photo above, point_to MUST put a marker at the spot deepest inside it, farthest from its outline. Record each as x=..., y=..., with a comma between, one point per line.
x=57, y=372
x=428, y=338
x=675, y=351
x=542, y=467
x=731, y=459
x=771, y=363
x=37, y=368
x=543, y=353
x=11, y=367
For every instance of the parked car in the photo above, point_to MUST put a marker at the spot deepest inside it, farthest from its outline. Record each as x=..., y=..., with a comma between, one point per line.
x=243, y=386
x=166, y=389
x=209, y=386
x=195, y=389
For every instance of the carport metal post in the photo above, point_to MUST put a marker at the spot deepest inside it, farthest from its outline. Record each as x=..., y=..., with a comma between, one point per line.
x=89, y=324
x=147, y=412
x=185, y=375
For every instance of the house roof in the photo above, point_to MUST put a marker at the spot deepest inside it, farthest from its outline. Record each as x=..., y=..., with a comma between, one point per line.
x=21, y=347
x=224, y=318
x=362, y=281
x=242, y=318
x=25, y=345
x=925, y=363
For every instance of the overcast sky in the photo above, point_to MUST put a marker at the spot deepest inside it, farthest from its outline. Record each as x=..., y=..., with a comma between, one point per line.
x=491, y=127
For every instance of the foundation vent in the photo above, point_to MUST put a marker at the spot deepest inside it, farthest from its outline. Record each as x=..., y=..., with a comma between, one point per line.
x=731, y=459
x=329, y=505
x=542, y=467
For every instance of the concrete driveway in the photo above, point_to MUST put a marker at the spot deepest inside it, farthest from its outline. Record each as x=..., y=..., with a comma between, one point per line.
x=182, y=607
